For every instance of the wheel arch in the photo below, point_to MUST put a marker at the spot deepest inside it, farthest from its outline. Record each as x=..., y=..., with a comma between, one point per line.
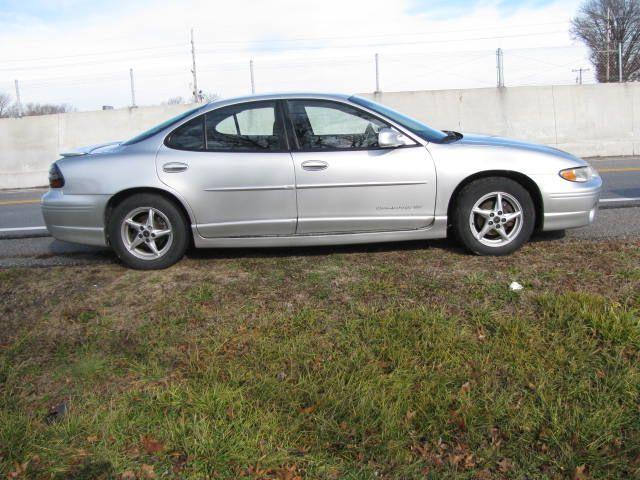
x=126, y=193
x=521, y=178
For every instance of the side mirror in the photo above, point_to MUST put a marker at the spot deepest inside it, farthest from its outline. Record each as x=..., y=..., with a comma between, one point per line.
x=390, y=138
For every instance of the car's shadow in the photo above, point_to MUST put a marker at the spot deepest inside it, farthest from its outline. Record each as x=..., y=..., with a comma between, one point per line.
x=412, y=245
x=79, y=254
x=274, y=252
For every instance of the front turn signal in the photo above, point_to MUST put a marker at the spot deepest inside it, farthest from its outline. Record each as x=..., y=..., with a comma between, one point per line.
x=579, y=174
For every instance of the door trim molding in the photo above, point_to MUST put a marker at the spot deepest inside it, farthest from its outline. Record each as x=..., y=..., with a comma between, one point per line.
x=360, y=184
x=250, y=189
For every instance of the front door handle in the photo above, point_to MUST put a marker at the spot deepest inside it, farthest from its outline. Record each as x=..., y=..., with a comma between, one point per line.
x=174, y=167
x=314, y=165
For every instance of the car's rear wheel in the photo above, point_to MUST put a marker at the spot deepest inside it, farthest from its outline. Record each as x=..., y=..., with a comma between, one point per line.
x=494, y=216
x=148, y=232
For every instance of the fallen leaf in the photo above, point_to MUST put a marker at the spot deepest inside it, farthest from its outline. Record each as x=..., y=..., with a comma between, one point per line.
x=484, y=475
x=147, y=471
x=469, y=462
x=504, y=465
x=20, y=469
x=151, y=445
x=580, y=473
x=179, y=461
x=92, y=438
x=128, y=475
x=465, y=388
x=495, y=437
x=308, y=410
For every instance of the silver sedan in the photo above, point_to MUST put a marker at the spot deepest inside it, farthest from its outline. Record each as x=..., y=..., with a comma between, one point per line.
x=310, y=169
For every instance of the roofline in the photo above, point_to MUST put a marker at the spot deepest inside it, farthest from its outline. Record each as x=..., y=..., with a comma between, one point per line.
x=279, y=96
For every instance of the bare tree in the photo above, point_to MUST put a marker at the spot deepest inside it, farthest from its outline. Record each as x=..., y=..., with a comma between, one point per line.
x=604, y=25
x=175, y=101
x=5, y=103
x=209, y=96
x=34, y=109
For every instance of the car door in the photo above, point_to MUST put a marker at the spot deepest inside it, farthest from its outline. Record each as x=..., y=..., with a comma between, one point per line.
x=234, y=168
x=346, y=183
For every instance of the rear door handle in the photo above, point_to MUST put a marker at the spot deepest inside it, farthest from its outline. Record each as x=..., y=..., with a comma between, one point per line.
x=174, y=167
x=314, y=165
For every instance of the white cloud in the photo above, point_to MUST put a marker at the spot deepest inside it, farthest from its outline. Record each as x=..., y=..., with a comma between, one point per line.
x=317, y=45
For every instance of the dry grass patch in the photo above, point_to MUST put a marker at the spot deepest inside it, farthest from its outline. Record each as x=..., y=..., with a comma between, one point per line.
x=389, y=361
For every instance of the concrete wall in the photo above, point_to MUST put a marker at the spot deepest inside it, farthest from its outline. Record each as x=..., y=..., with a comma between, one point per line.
x=29, y=145
x=587, y=120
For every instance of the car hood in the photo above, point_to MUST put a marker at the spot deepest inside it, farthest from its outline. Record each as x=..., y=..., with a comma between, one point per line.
x=494, y=141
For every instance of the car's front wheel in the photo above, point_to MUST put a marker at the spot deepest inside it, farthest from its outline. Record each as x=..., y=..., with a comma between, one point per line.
x=148, y=232
x=494, y=216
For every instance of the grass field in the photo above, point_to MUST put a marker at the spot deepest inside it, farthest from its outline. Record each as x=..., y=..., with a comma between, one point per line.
x=402, y=361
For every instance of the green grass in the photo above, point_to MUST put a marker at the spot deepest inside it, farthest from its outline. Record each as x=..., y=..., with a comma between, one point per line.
x=372, y=362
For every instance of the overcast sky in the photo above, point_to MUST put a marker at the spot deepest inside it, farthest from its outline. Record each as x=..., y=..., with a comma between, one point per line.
x=80, y=52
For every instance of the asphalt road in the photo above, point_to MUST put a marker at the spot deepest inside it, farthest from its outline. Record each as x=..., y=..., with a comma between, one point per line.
x=24, y=240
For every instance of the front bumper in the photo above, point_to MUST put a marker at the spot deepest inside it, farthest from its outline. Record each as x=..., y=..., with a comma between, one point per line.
x=75, y=218
x=569, y=204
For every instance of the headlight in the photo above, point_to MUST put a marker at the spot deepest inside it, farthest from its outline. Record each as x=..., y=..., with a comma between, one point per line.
x=579, y=174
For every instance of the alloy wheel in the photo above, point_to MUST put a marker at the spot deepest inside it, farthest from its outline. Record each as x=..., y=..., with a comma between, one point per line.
x=496, y=219
x=147, y=233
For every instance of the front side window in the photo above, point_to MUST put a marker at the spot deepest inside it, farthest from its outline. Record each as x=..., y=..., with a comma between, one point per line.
x=245, y=128
x=424, y=131
x=326, y=125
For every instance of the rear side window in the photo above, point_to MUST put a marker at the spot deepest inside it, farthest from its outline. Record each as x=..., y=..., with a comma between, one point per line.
x=189, y=136
x=249, y=127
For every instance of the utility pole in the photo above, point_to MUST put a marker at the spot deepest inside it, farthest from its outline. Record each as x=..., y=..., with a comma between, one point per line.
x=18, y=102
x=133, y=90
x=196, y=94
x=620, y=79
x=608, y=43
x=377, y=74
x=500, y=67
x=253, y=83
x=580, y=71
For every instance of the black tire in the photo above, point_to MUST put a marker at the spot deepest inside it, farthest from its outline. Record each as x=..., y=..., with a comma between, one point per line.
x=479, y=189
x=167, y=214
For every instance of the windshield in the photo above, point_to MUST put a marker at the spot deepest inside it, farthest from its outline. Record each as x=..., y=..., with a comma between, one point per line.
x=423, y=131
x=162, y=126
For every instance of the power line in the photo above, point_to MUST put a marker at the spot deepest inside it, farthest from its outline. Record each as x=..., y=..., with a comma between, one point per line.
x=388, y=44
x=348, y=37
x=264, y=49
x=346, y=60
x=93, y=54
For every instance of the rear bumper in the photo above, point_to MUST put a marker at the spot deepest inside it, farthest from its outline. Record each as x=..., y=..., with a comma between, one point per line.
x=571, y=205
x=75, y=218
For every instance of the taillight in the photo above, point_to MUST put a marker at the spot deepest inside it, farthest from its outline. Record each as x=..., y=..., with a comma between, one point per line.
x=56, y=180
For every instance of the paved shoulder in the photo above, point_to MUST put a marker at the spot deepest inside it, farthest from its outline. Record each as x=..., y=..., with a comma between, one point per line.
x=46, y=251
x=611, y=223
